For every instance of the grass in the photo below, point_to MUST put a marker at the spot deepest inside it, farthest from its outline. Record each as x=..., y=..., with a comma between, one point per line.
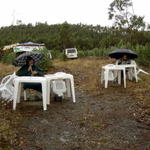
x=87, y=70
x=6, y=69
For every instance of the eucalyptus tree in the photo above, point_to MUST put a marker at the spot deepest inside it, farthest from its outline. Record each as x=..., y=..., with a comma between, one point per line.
x=122, y=13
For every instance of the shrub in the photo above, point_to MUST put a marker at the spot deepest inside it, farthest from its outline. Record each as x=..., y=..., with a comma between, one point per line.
x=57, y=54
x=94, y=52
x=143, y=55
x=46, y=62
x=8, y=57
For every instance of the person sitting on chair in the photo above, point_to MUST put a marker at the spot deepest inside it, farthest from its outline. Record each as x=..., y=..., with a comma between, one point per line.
x=125, y=60
x=30, y=69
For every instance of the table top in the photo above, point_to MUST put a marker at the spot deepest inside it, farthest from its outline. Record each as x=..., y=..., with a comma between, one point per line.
x=112, y=66
x=58, y=76
x=29, y=79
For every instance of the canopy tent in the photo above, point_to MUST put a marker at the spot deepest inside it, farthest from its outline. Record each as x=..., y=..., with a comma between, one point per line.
x=28, y=47
x=31, y=44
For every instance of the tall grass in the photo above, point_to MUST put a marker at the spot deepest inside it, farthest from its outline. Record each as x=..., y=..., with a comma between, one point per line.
x=94, y=52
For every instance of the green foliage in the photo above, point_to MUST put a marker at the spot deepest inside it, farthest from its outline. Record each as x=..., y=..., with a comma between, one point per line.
x=46, y=62
x=143, y=54
x=57, y=54
x=122, y=13
x=94, y=52
x=92, y=40
x=8, y=57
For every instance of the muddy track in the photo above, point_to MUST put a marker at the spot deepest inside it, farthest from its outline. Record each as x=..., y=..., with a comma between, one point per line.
x=93, y=123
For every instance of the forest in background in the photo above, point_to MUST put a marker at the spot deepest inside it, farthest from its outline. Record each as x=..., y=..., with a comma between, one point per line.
x=81, y=36
x=127, y=31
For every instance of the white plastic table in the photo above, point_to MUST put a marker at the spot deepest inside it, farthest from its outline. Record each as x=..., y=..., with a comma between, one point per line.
x=111, y=67
x=24, y=79
x=69, y=83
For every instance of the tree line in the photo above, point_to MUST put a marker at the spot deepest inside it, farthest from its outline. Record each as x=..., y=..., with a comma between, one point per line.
x=81, y=36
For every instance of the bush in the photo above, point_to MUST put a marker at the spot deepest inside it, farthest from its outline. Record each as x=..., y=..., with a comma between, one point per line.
x=143, y=55
x=57, y=54
x=46, y=62
x=8, y=57
x=94, y=52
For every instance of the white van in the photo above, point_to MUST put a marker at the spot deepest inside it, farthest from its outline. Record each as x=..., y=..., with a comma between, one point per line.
x=71, y=53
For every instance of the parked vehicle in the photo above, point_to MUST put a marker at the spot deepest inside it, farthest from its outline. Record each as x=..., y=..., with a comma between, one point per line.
x=71, y=53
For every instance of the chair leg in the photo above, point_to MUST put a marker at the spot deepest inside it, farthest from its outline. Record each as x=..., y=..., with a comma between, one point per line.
x=106, y=78
x=25, y=94
x=124, y=78
x=102, y=76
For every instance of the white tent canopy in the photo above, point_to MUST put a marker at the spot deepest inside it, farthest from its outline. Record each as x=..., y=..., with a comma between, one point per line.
x=28, y=47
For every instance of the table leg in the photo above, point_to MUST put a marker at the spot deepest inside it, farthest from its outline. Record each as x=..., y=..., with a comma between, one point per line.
x=119, y=76
x=44, y=95
x=135, y=74
x=124, y=77
x=16, y=94
x=106, y=77
x=68, y=87
x=73, y=90
x=102, y=75
x=48, y=91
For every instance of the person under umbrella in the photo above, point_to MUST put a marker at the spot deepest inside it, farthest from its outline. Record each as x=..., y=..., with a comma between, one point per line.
x=119, y=53
x=124, y=57
x=124, y=60
x=30, y=69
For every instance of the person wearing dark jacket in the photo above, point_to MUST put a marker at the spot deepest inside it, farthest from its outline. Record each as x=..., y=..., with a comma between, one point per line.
x=30, y=69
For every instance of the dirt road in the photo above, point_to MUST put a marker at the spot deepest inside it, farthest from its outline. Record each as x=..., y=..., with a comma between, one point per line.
x=104, y=122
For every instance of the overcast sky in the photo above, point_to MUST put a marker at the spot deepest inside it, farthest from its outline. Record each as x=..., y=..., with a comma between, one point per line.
x=58, y=11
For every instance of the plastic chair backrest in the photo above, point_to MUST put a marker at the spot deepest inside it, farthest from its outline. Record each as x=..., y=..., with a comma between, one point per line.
x=7, y=86
x=8, y=79
x=59, y=87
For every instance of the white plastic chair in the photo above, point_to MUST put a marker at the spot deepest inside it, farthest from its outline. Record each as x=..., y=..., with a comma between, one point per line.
x=142, y=71
x=130, y=72
x=7, y=87
x=59, y=87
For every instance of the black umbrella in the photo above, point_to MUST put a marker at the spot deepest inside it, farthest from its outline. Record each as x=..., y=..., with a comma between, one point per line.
x=21, y=59
x=120, y=52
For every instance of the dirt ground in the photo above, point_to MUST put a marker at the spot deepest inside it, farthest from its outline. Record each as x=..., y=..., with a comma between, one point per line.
x=101, y=119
